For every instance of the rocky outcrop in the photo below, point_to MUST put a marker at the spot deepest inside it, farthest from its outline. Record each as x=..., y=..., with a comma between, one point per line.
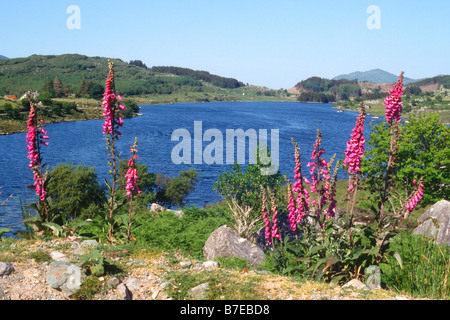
x=156, y=208
x=226, y=242
x=435, y=222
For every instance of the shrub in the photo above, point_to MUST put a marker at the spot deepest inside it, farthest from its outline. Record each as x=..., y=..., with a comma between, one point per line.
x=74, y=191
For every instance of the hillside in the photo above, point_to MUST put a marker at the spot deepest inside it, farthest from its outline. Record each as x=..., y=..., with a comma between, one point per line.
x=374, y=76
x=3, y=57
x=19, y=75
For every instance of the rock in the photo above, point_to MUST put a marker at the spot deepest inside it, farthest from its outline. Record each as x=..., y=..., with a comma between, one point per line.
x=373, y=280
x=133, y=284
x=89, y=243
x=226, y=242
x=208, y=265
x=435, y=222
x=178, y=213
x=58, y=256
x=157, y=208
x=6, y=268
x=355, y=283
x=64, y=276
x=199, y=292
x=185, y=264
x=113, y=282
x=123, y=292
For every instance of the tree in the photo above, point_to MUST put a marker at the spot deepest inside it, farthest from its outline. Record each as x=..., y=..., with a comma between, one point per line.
x=423, y=150
x=74, y=191
x=57, y=87
x=96, y=91
x=173, y=191
x=48, y=88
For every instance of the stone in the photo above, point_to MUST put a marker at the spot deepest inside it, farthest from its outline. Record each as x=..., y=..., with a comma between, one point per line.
x=6, y=268
x=185, y=264
x=199, y=292
x=123, y=292
x=89, y=243
x=226, y=242
x=133, y=284
x=356, y=284
x=113, y=282
x=373, y=277
x=157, y=208
x=58, y=256
x=209, y=265
x=65, y=276
x=435, y=222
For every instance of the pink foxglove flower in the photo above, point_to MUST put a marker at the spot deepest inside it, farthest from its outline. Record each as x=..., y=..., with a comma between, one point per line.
x=275, y=231
x=355, y=147
x=34, y=140
x=393, y=102
x=131, y=175
x=291, y=210
x=267, y=229
x=112, y=117
x=415, y=197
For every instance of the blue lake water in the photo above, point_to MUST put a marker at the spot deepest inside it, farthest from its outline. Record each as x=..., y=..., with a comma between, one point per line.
x=82, y=142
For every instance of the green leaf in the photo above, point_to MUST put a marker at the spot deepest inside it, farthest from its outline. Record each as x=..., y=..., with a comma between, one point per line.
x=316, y=248
x=32, y=219
x=57, y=230
x=397, y=257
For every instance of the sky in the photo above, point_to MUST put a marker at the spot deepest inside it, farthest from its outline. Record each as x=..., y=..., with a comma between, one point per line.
x=260, y=42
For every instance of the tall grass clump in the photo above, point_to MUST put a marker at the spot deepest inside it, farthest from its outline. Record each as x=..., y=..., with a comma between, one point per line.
x=425, y=268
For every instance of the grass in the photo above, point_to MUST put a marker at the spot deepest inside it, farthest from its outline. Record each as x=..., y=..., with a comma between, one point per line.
x=425, y=269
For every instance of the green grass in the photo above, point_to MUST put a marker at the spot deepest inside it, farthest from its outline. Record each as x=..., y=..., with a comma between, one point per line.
x=223, y=285
x=425, y=267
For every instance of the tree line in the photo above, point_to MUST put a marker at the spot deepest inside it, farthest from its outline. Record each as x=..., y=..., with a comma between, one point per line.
x=219, y=81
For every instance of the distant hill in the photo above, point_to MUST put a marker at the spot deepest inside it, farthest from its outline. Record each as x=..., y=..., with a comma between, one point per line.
x=19, y=75
x=374, y=76
x=3, y=57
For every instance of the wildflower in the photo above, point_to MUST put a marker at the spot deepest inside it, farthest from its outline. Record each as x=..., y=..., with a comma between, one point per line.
x=275, y=231
x=267, y=229
x=291, y=210
x=300, y=206
x=131, y=175
x=34, y=139
x=109, y=105
x=393, y=102
x=355, y=146
x=415, y=197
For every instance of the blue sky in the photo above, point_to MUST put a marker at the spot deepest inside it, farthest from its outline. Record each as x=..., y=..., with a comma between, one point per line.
x=270, y=43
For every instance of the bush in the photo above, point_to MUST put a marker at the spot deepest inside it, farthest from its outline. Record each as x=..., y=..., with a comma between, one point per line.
x=422, y=151
x=74, y=191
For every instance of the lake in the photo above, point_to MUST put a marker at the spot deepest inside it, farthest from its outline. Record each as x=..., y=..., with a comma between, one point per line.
x=82, y=142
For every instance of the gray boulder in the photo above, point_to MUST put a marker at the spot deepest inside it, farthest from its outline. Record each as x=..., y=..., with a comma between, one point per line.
x=199, y=292
x=6, y=268
x=64, y=276
x=435, y=222
x=226, y=242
